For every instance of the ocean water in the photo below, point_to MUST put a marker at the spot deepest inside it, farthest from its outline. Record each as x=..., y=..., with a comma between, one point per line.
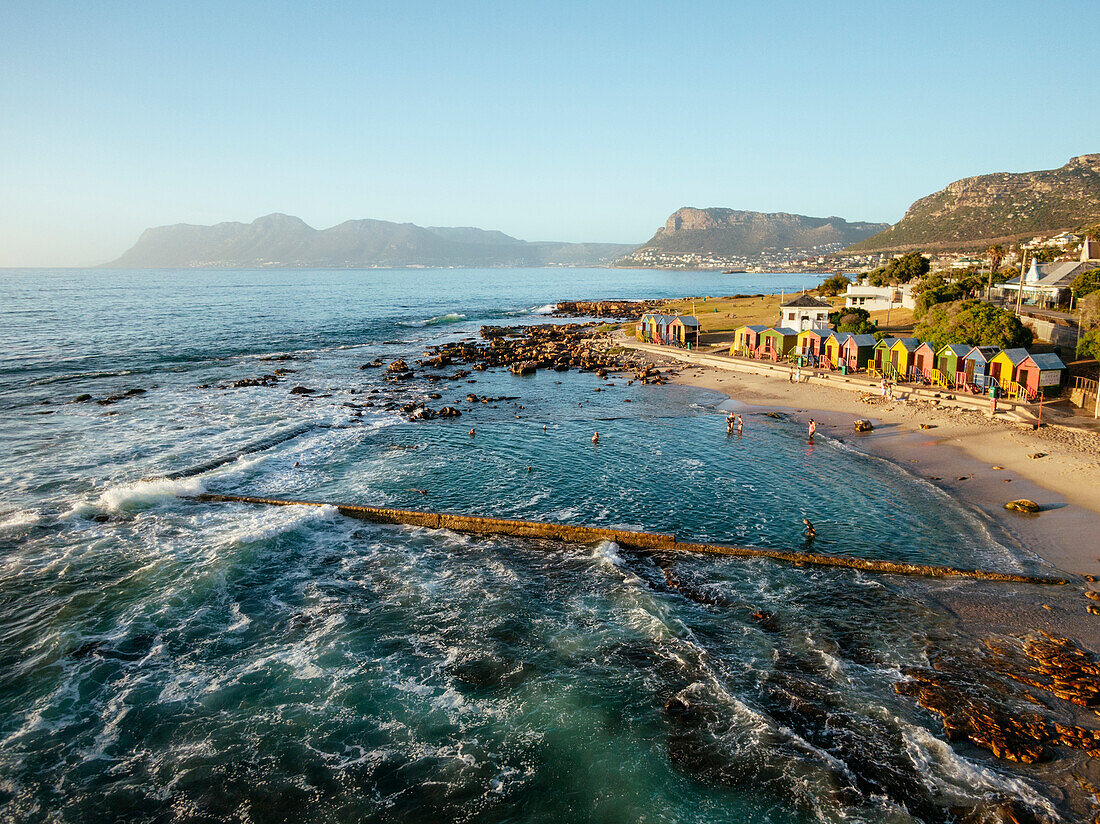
x=163, y=659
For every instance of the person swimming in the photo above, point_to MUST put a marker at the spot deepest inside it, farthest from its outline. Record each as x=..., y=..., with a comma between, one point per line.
x=595, y=437
x=811, y=533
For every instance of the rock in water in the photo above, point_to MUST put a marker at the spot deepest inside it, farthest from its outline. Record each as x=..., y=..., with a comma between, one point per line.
x=863, y=426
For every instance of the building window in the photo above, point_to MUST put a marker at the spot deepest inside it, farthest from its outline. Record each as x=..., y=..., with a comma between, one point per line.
x=790, y=316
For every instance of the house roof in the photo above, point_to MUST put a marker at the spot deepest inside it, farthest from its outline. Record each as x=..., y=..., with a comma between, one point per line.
x=782, y=330
x=1047, y=360
x=1051, y=275
x=839, y=336
x=1016, y=356
x=687, y=320
x=887, y=342
x=808, y=302
x=909, y=343
x=959, y=349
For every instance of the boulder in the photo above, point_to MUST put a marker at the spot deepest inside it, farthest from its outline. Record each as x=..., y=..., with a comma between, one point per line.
x=1023, y=505
x=398, y=366
x=449, y=412
x=863, y=426
x=302, y=390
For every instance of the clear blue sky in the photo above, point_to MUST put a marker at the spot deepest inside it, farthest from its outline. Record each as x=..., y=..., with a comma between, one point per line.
x=549, y=121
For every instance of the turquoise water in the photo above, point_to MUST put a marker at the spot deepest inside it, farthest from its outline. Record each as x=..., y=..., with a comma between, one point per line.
x=167, y=660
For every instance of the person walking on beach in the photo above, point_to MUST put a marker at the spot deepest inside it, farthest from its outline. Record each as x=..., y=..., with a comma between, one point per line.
x=812, y=428
x=883, y=387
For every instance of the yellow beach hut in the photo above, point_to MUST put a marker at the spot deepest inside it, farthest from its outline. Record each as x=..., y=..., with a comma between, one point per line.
x=901, y=357
x=1002, y=368
x=832, y=345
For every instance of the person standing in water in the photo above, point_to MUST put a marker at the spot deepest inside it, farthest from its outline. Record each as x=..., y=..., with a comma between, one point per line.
x=595, y=437
x=812, y=428
x=740, y=426
x=811, y=533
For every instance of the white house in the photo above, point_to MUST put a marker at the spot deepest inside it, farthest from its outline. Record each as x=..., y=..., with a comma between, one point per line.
x=879, y=298
x=805, y=312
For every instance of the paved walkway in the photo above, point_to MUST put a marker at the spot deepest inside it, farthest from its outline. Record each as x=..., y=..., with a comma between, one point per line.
x=852, y=383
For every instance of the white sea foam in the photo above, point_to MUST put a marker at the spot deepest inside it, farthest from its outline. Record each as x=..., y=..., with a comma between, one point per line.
x=438, y=320
x=18, y=520
x=149, y=492
x=546, y=309
x=262, y=525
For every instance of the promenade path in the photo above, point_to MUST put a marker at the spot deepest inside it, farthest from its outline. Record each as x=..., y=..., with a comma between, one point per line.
x=946, y=399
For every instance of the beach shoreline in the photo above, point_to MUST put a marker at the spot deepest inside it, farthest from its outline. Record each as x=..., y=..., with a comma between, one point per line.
x=958, y=454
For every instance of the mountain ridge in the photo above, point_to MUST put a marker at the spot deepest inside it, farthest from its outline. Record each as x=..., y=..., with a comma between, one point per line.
x=722, y=231
x=1000, y=207
x=284, y=241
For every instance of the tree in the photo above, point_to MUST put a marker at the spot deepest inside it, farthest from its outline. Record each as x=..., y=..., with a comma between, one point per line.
x=908, y=267
x=1086, y=283
x=834, y=285
x=852, y=319
x=974, y=323
x=995, y=253
x=1089, y=345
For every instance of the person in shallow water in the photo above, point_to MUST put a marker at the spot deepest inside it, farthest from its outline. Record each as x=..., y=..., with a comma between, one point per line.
x=812, y=428
x=595, y=437
x=811, y=533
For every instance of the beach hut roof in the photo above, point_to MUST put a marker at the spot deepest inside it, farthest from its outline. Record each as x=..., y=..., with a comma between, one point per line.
x=1016, y=356
x=887, y=342
x=784, y=331
x=863, y=340
x=756, y=327
x=662, y=318
x=984, y=352
x=840, y=337
x=961, y=350
x=909, y=343
x=687, y=320
x=1047, y=361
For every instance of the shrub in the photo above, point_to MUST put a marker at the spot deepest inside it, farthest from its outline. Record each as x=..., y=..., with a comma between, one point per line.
x=974, y=323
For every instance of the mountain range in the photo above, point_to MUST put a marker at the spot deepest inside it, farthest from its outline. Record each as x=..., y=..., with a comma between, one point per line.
x=748, y=234
x=280, y=240
x=997, y=208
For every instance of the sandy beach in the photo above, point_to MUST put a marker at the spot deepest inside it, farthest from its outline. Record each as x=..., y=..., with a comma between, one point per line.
x=984, y=463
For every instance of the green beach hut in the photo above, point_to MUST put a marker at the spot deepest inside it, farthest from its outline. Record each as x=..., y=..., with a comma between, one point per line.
x=948, y=365
x=776, y=342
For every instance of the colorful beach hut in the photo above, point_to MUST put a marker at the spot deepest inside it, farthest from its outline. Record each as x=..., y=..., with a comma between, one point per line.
x=830, y=348
x=809, y=343
x=683, y=330
x=1035, y=372
x=976, y=367
x=777, y=341
x=856, y=351
x=949, y=364
x=924, y=361
x=881, y=353
x=1002, y=367
x=901, y=357
x=746, y=339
